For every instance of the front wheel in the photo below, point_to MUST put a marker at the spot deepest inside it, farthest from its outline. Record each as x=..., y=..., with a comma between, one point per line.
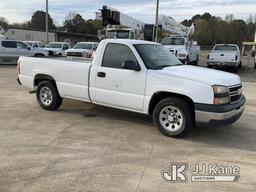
x=186, y=62
x=173, y=117
x=48, y=96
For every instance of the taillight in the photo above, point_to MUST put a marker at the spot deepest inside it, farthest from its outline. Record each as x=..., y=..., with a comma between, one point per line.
x=236, y=57
x=18, y=66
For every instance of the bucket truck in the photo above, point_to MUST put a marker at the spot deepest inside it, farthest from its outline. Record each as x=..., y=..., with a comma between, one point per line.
x=179, y=42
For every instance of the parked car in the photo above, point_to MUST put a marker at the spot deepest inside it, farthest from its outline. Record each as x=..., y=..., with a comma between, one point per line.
x=82, y=49
x=58, y=48
x=185, y=50
x=225, y=56
x=38, y=48
x=139, y=76
x=15, y=49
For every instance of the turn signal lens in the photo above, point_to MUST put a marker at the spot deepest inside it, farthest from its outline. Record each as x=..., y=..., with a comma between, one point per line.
x=221, y=100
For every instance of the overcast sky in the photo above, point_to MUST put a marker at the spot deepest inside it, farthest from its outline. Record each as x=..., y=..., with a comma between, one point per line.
x=21, y=10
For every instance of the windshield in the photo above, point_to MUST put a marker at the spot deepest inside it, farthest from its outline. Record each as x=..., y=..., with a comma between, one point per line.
x=82, y=46
x=118, y=34
x=173, y=41
x=40, y=44
x=156, y=56
x=29, y=43
x=225, y=48
x=54, y=45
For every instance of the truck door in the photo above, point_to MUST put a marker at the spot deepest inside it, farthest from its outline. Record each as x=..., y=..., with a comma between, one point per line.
x=22, y=49
x=115, y=86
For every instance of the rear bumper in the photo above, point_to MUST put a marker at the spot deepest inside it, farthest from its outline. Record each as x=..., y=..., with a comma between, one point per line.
x=222, y=64
x=215, y=116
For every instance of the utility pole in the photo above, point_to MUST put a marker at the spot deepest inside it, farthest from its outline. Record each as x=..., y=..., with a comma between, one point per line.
x=46, y=22
x=156, y=24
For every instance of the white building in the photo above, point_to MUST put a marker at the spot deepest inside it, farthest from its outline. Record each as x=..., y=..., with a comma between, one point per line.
x=28, y=35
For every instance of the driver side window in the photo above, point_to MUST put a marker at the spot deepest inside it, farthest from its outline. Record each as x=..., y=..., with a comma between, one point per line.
x=20, y=45
x=65, y=47
x=115, y=54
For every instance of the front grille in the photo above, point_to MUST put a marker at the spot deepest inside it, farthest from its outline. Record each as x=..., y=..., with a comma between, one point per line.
x=74, y=54
x=235, y=93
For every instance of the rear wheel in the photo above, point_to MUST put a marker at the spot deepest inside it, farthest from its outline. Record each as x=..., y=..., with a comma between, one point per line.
x=240, y=65
x=196, y=62
x=172, y=116
x=48, y=96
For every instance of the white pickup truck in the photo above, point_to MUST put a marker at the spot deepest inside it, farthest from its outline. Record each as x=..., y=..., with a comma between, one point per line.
x=225, y=56
x=142, y=77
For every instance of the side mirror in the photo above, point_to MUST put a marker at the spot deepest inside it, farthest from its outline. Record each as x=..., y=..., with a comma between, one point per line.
x=29, y=48
x=131, y=65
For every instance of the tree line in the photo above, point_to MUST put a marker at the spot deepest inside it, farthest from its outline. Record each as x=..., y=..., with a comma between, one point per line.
x=210, y=30
x=73, y=23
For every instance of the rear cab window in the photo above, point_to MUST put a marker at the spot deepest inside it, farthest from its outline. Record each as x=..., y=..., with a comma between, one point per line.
x=225, y=48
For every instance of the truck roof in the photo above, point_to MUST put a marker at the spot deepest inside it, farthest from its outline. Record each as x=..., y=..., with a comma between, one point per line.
x=129, y=41
x=223, y=44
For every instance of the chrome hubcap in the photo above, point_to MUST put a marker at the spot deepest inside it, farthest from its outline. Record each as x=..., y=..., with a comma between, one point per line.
x=171, y=118
x=45, y=96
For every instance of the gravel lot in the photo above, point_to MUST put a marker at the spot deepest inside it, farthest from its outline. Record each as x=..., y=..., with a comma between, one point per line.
x=84, y=147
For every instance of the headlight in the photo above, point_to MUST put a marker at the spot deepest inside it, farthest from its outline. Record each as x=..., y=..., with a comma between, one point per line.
x=221, y=95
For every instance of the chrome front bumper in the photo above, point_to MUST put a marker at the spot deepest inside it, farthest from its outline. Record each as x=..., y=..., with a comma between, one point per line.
x=222, y=116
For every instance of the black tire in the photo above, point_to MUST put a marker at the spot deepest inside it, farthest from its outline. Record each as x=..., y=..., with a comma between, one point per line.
x=184, y=110
x=196, y=62
x=235, y=69
x=55, y=99
x=240, y=65
x=186, y=62
x=39, y=55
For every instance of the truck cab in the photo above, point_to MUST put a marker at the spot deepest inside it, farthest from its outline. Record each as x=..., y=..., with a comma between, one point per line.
x=119, y=32
x=186, y=51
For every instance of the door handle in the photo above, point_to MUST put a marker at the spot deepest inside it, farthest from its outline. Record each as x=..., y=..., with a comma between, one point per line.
x=101, y=74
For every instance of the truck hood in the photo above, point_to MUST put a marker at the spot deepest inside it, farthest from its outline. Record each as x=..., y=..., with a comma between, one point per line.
x=200, y=74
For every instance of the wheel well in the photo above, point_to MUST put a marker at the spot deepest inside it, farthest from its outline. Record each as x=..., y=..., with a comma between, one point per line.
x=42, y=77
x=162, y=95
x=39, y=54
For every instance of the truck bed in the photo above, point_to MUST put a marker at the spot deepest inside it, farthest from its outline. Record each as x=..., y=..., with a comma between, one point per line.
x=71, y=81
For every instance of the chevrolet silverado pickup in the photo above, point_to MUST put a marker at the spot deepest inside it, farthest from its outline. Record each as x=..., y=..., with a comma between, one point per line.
x=142, y=77
x=225, y=56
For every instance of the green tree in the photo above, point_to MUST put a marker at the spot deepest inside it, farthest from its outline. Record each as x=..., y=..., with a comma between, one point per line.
x=74, y=23
x=38, y=21
x=3, y=22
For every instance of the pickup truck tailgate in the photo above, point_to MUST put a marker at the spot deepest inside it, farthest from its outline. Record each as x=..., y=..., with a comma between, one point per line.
x=223, y=56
